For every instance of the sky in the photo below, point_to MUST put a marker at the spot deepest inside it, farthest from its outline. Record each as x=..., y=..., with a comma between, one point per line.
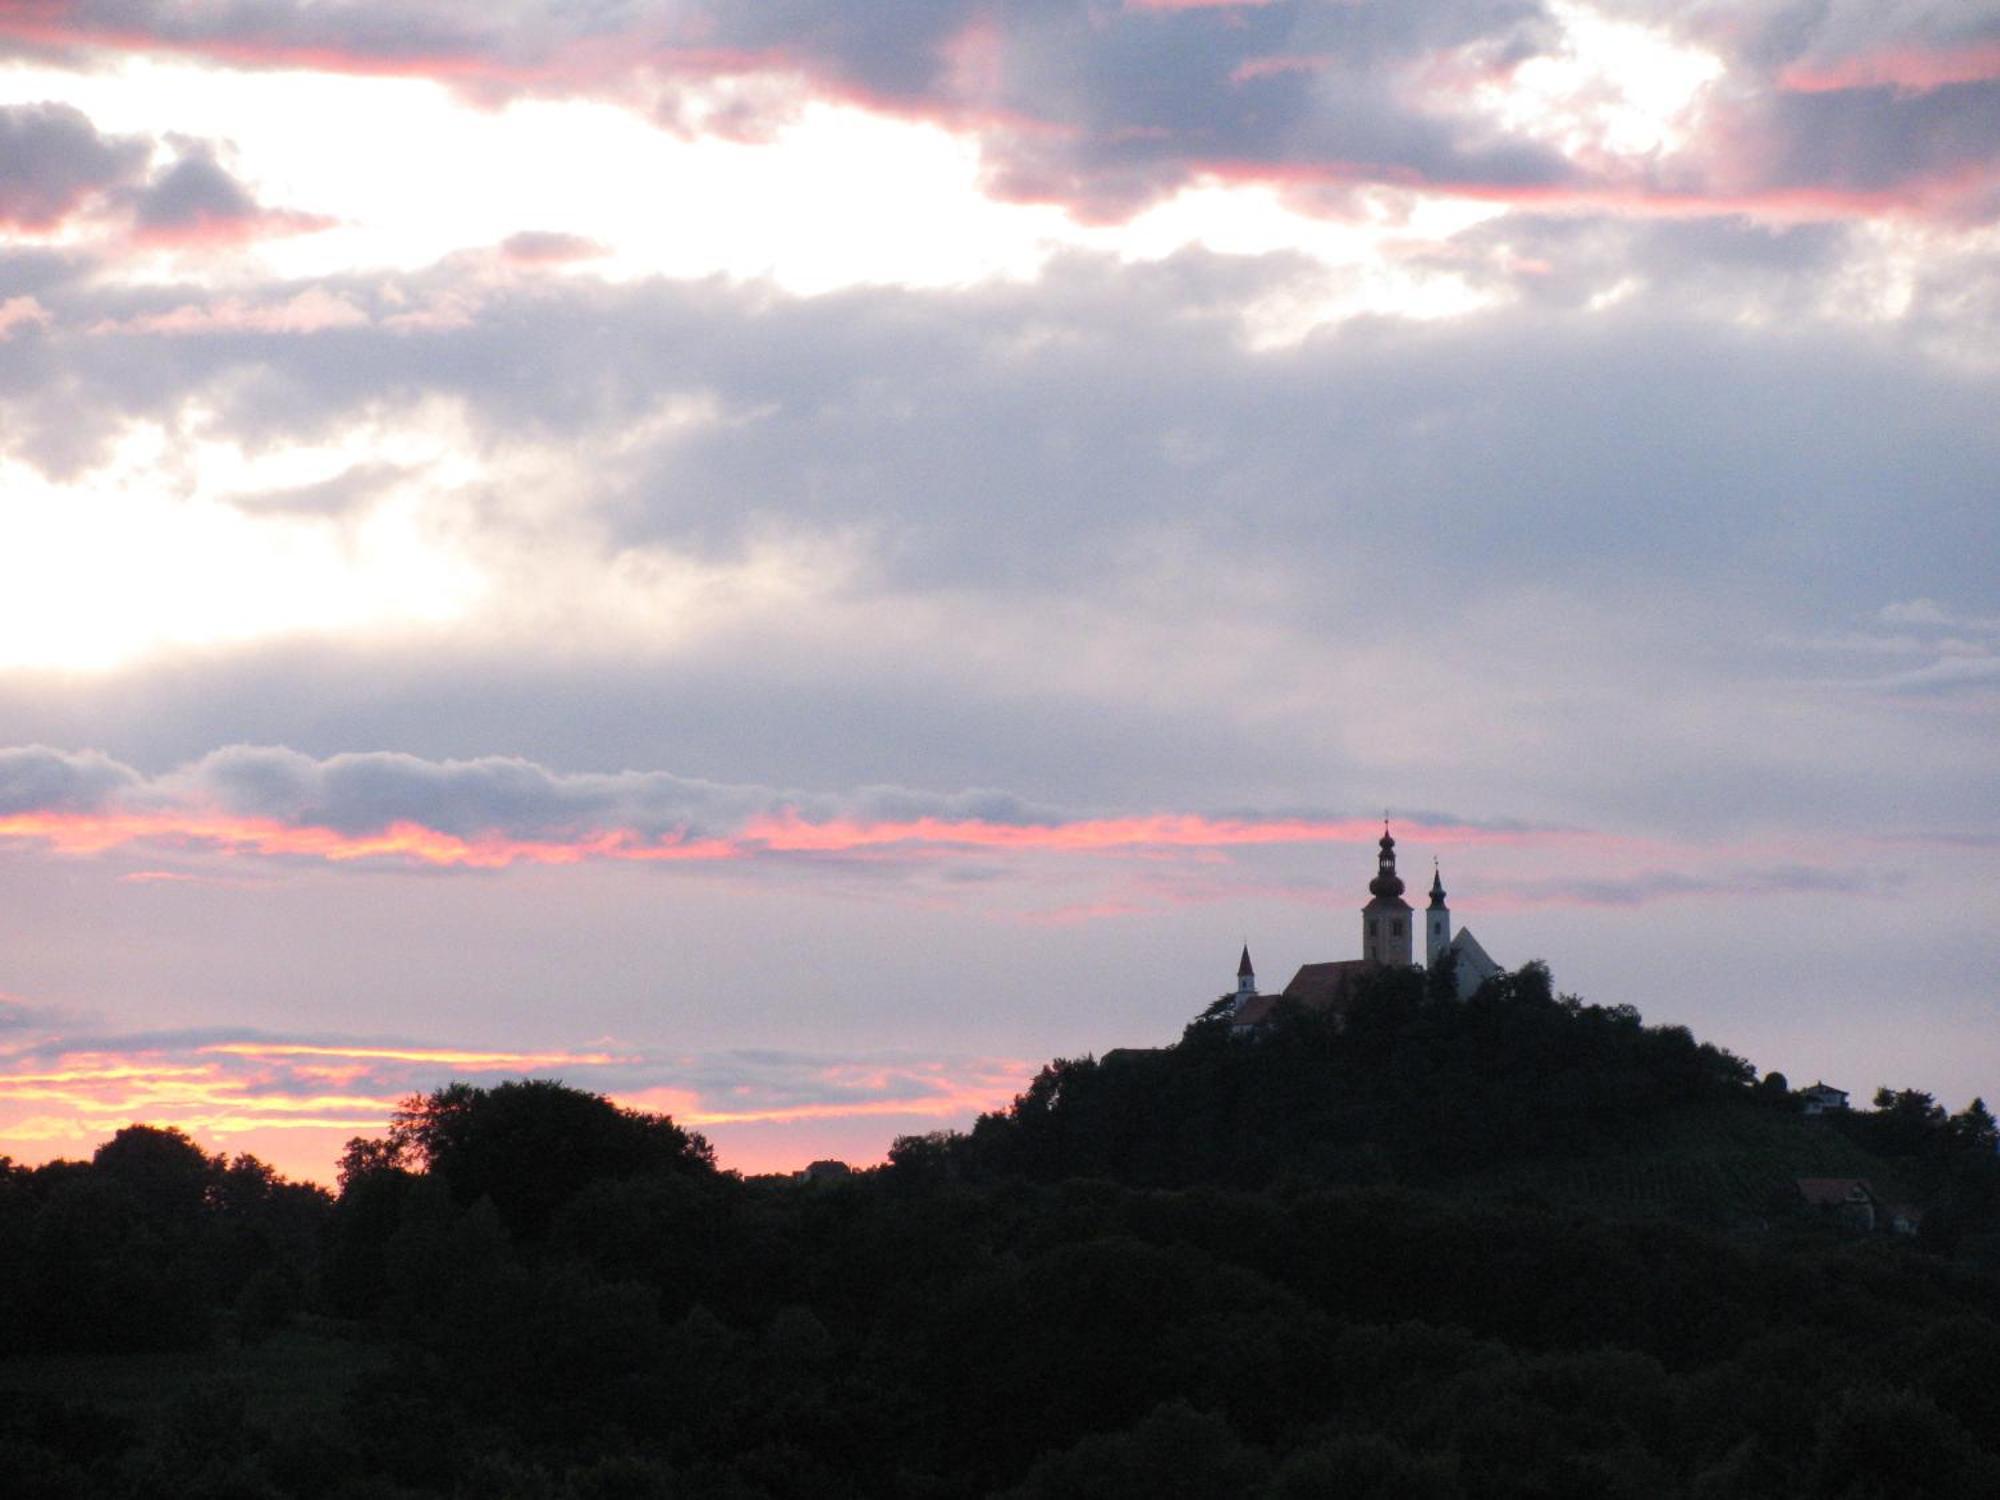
x=790, y=562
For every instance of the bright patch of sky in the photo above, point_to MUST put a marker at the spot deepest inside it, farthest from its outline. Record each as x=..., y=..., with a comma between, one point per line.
x=161, y=547
x=837, y=197
x=1613, y=89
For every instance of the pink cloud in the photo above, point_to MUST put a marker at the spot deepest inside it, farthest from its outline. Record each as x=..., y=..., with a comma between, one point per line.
x=22, y=312
x=540, y=247
x=782, y=832
x=1913, y=69
x=227, y=230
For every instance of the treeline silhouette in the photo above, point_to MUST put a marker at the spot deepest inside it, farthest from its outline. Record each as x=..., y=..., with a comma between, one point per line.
x=1263, y=1266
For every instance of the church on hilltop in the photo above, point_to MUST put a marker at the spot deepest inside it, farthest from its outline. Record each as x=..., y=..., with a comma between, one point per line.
x=1388, y=939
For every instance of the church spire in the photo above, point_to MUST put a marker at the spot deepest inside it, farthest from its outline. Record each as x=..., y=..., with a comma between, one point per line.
x=1246, y=978
x=1437, y=922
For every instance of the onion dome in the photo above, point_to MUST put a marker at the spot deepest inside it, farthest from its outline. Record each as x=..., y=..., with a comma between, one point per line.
x=1386, y=882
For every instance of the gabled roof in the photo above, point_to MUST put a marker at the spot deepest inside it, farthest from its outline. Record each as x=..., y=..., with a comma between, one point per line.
x=1471, y=956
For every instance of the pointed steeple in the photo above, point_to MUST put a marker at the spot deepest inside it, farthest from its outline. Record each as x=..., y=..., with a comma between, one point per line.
x=1246, y=978
x=1437, y=922
x=1244, y=968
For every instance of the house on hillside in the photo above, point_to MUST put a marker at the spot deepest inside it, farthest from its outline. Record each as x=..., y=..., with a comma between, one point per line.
x=1850, y=1200
x=1822, y=1098
x=1388, y=939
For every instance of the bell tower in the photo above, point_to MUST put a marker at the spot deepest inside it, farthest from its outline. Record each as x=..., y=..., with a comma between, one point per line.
x=1437, y=922
x=1386, y=937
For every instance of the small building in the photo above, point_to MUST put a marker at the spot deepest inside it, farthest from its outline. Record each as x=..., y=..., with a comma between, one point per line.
x=1850, y=1200
x=1822, y=1098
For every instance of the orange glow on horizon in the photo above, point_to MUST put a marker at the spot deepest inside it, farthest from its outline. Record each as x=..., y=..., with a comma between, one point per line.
x=267, y=1098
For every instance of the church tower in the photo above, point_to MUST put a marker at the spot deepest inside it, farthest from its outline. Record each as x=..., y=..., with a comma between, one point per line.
x=1385, y=920
x=1246, y=978
x=1437, y=923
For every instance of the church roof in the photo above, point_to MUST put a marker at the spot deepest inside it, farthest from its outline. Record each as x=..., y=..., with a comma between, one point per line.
x=1255, y=1011
x=1469, y=951
x=1320, y=985
x=1315, y=986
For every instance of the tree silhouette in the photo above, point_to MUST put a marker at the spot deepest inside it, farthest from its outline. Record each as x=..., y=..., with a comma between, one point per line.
x=531, y=1146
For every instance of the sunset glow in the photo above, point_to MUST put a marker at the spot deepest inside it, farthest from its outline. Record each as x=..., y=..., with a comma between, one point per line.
x=793, y=568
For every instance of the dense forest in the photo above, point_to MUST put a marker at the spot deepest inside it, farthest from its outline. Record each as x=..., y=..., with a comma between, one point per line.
x=1511, y=1246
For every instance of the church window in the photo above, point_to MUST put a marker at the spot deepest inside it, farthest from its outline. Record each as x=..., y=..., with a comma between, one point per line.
x=1374, y=927
x=1396, y=927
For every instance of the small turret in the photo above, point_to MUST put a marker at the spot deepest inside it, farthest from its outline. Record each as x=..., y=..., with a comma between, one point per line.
x=1246, y=978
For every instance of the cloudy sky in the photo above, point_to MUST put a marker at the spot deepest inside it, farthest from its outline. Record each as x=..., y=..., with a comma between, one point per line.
x=789, y=561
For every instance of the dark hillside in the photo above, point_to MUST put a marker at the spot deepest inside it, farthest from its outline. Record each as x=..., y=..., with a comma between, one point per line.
x=1520, y=1246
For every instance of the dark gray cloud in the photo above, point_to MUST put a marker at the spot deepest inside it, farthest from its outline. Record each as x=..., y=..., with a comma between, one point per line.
x=195, y=200
x=35, y=778
x=192, y=192
x=1942, y=141
x=53, y=161
x=360, y=793
x=962, y=439
x=1717, y=267
x=54, y=164
x=1780, y=33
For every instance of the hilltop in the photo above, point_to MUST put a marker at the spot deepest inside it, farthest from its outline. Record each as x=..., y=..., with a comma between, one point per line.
x=1515, y=1092
x=1511, y=1245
